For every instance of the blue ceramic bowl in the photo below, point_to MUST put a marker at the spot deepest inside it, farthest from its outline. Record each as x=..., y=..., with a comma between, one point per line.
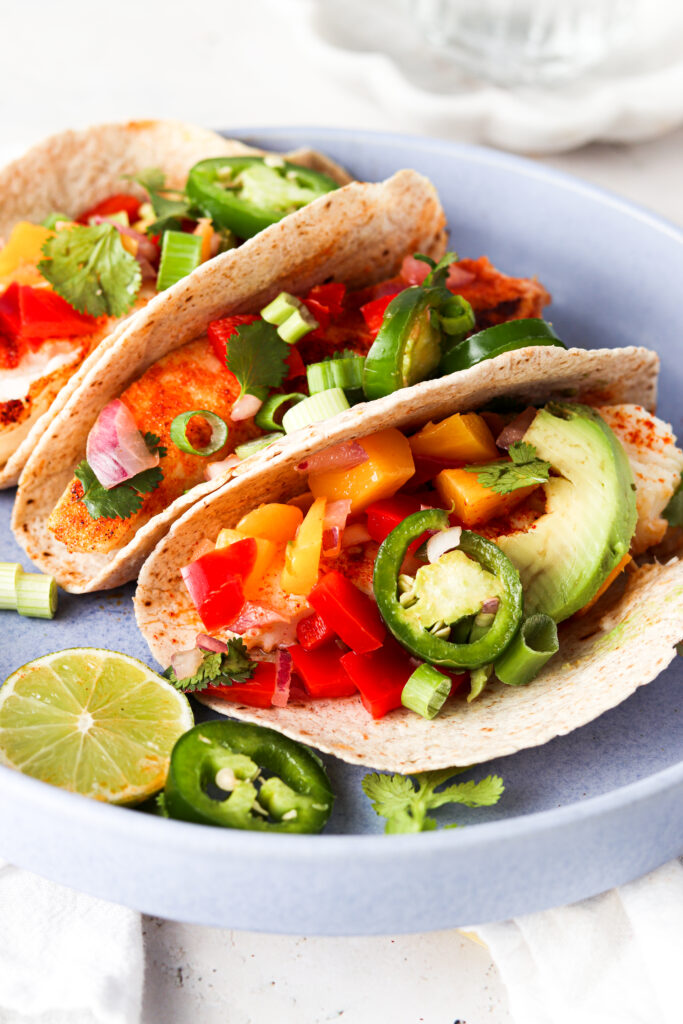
x=581, y=814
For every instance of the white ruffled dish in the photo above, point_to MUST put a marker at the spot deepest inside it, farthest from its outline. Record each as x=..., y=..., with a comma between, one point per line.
x=378, y=48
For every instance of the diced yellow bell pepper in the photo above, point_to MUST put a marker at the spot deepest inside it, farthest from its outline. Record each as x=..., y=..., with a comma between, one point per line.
x=473, y=503
x=302, y=556
x=265, y=553
x=275, y=522
x=24, y=247
x=389, y=465
x=463, y=436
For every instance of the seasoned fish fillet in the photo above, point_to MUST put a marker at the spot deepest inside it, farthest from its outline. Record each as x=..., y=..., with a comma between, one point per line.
x=189, y=378
x=656, y=463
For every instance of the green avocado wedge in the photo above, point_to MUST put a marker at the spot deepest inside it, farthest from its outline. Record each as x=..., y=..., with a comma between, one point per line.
x=590, y=513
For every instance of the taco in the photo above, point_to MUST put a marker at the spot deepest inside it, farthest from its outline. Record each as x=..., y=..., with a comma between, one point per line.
x=95, y=223
x=389, y=590
x=198, y=397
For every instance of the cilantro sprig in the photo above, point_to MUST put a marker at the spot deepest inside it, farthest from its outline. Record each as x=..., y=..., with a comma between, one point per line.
x=438, y=274
x=257, y=357
x=89, y=267
x=124, y=500
x=217, y=669
x=504, y=477
x=673, y=512
x=405, y=801
x=170, y=205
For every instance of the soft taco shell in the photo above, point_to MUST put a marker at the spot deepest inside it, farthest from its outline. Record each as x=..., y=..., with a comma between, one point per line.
x=73, y=171
x=358, y=234
x=601, y=660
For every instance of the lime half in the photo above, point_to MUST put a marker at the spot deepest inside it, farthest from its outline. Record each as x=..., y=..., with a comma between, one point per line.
x=93, y=722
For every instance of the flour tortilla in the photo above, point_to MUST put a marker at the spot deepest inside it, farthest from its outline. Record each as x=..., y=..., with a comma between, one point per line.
x=358, y=234
x=602, y=660
x=73, y=171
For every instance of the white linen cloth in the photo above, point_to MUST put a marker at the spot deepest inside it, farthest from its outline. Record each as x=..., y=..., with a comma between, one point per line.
x=66, y=958
x=613, y=959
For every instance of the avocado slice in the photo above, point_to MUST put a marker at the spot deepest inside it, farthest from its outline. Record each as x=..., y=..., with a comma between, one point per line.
x=590, y=513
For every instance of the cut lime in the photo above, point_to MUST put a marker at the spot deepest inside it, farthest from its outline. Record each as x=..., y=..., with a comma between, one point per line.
x=93, y=722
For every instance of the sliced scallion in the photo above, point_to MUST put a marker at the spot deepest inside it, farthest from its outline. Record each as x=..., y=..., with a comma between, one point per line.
x=282, y=307
x=479, y=677
x=345, y=373
x=290, y=316
x=219, y=432
x=314, y=409
x=534, y=644
x=265, y=417
x=257, y=444
x=181, y=253
x=29, y=593
x=36, y=595
x=426, y=691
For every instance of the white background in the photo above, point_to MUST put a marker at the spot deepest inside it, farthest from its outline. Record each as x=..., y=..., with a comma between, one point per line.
x=236, y=64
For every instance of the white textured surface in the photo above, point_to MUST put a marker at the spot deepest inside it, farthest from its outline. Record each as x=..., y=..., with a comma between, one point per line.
x=70, y=64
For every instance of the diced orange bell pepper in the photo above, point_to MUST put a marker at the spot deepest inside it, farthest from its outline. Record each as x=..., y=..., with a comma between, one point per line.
x=205, y=231
x=608, y=583
x=389, y=465
x=463, y=436
x=24, y=247
x=473, y=503
x=265, y=553
x=275, y=522
x=302, y=557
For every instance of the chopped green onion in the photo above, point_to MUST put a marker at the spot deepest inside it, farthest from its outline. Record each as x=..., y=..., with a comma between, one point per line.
x=36, y=595
x=534, y=644
x=282, y=307
x=426, y=691
x=345, y=373
x=480, y=626
x=181, y=253
x=9, y=578
x=314, y=409
x=290, y=316
x=265, y=417
x=257, y=444
x=219, y=432
x=29, y=593
x=53, y=219
x=479, y=677
x=457, y=318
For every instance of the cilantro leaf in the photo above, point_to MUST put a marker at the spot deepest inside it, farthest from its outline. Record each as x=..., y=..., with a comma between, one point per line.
x=256, y=355
x=217, y=669
x=673, y=512
x=523, y=471
x=404, y=801
x=89, y=267
x=170, y=206
x=153, y=443
x=120, y=502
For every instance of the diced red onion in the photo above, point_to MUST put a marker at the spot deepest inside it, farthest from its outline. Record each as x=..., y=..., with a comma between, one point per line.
x=332, y=542
x=342, y=456
x=336, y=514
x=209, y=643
x=357, y=533
x=116, y=450
x=146, y=268
x=283, y=677
x=458, y=277
x=245, y=407
x=186, y=663
x=146, y=250
x=414, y=271
x=443, y=541
x=516, y=429
x=490, y=606
x=255, y=616
x=216, y=469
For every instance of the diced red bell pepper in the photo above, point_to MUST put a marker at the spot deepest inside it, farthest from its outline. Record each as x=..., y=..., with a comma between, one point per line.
x=220, y=330
x=295, y=363
x=351, y=614
x=322, y=671
x=384, y=516
x=215, y=582
x=257, y=692
x=33, y=314
x=313, y=632
x=331, y=296
x=119, y=203
x=380, y=676
x=373, y=312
